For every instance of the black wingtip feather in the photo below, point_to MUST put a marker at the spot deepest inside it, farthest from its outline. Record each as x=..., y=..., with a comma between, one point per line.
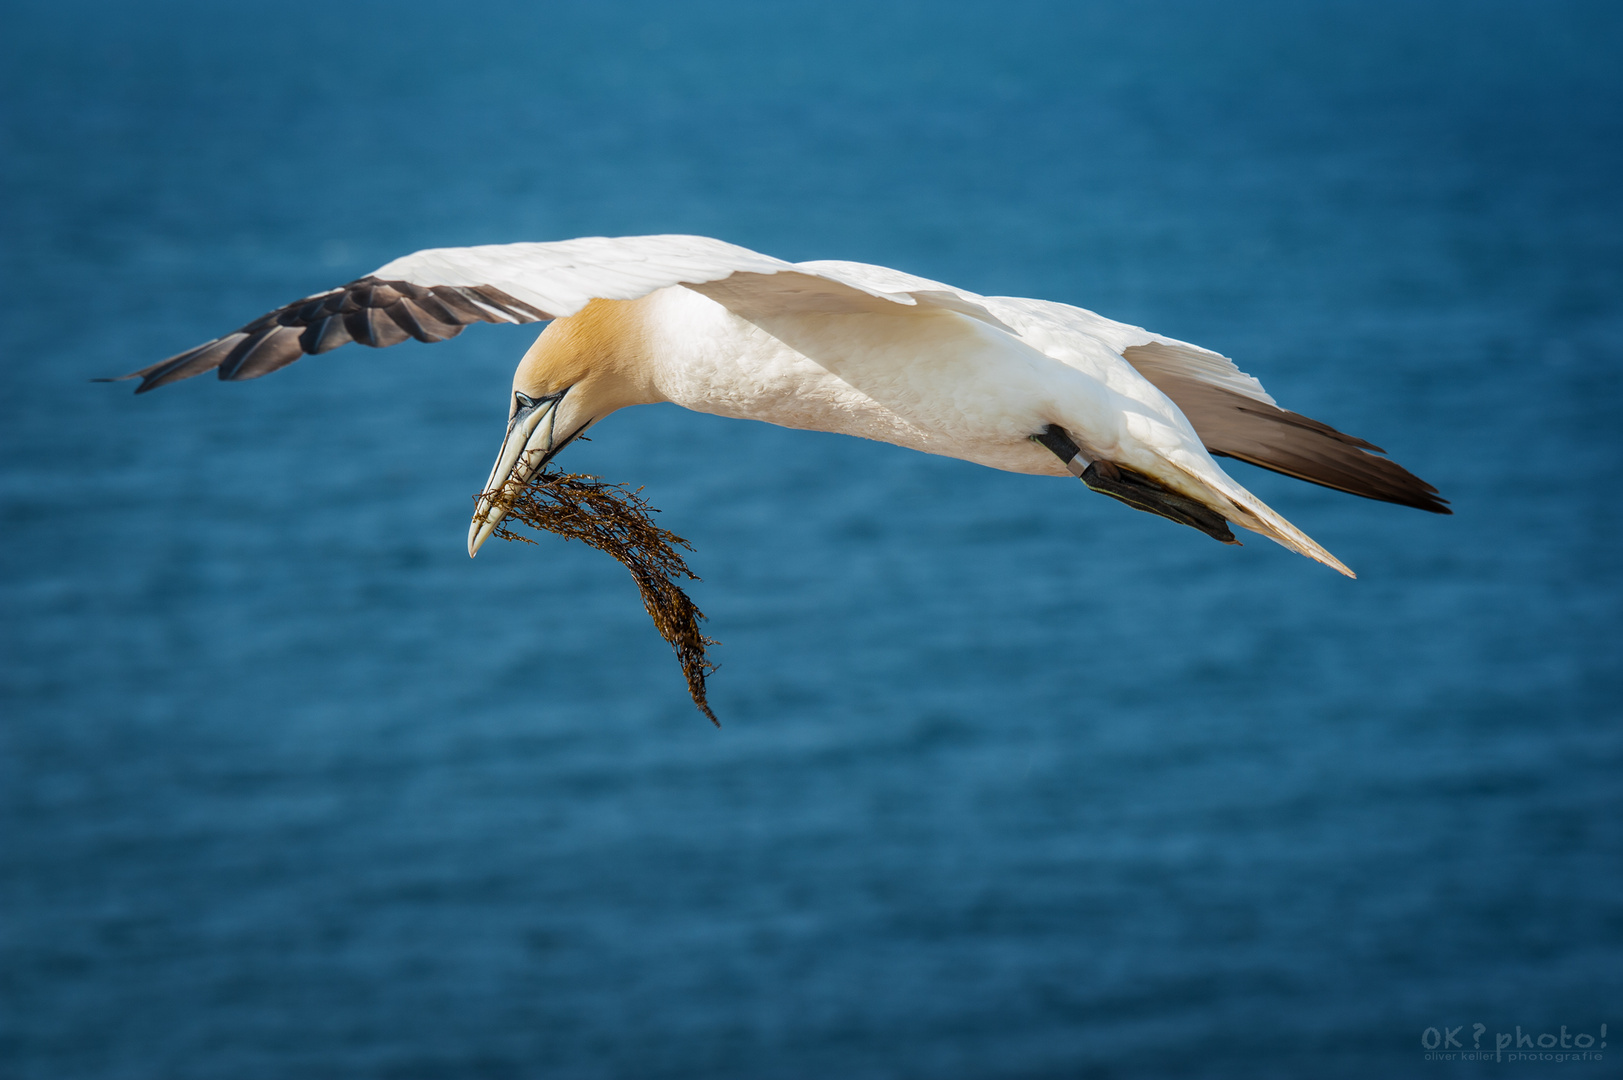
x=369, y=310
x=273, y=348
x=325, y=334
x=1233, y=425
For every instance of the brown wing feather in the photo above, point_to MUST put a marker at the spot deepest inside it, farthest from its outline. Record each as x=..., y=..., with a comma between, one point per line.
x=370, y=311
x=1233, y=425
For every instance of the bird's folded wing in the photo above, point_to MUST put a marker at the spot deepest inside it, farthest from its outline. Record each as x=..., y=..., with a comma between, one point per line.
x=1153, y=354
x=433, y=295
x=903, y=287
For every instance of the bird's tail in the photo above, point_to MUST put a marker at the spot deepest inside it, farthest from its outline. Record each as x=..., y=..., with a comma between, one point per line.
x=1249, y=512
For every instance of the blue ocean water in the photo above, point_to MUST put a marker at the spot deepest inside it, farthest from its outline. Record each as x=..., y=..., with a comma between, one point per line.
x=1012, y=780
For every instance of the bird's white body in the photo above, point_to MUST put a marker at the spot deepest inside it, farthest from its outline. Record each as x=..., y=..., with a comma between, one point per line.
x=942, y=381
x=932, y=380
x=927, y=379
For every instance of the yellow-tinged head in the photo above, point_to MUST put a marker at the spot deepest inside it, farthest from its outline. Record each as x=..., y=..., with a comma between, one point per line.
x=578, y=371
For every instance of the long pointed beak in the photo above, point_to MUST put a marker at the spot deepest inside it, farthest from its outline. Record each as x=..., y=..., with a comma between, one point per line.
x=529, y=443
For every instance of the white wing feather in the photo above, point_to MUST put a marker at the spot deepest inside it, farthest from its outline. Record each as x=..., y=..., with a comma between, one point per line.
x=1146, y=351
x=560, y=277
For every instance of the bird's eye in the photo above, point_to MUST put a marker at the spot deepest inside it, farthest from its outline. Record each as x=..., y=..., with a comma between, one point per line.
x=522, y=402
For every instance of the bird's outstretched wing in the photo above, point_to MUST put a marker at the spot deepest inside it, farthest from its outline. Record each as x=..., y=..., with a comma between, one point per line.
x=433, y=295
x=1231, y=412
x=1237, y=425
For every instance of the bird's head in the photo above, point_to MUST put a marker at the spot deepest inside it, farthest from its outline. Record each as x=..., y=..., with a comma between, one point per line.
x=578, y=371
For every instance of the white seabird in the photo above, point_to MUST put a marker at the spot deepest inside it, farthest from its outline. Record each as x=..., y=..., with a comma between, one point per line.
x=1029, y=386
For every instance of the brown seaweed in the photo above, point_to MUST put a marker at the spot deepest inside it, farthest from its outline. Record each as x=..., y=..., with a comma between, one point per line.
x=613, y=519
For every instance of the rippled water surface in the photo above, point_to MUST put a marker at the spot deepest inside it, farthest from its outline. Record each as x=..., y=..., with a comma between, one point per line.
x=1013, y=781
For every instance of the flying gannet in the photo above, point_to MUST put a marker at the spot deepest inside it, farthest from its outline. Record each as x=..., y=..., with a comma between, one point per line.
x=1029, y=386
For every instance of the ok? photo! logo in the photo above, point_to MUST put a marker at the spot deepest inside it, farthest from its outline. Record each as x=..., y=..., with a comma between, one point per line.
x=1444, y=1044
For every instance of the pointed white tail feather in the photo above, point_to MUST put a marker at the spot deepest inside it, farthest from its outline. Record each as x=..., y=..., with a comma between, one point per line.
x=1249, y=512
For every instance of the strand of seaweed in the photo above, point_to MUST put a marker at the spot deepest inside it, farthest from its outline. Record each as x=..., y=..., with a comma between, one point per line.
x=613, y=519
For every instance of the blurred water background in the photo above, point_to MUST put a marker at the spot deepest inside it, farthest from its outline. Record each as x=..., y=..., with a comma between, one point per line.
x=1013, y=781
